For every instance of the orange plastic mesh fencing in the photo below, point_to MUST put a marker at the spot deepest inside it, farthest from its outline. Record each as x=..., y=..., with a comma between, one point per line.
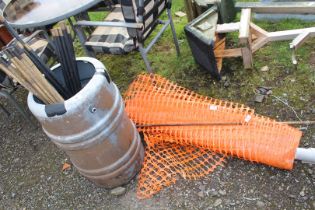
x=172, y=117
x=165, y=162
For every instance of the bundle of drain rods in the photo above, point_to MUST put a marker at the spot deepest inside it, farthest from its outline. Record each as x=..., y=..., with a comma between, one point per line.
x=23, y=65
x=15, y=63
x=66, y=55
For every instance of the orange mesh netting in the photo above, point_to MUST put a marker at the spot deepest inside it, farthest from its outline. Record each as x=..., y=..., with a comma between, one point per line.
x=188, y=134
x=164, y=162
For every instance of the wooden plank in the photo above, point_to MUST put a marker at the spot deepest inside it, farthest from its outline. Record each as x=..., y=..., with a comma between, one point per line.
x=289, y=34
x=279, y=7
x=245, y=38
x=259, y=43
x=190, y=10
x=227, y=27
x=257, y=30
x=229, y=53
x=244, y=32
x=219, y=46
x=219, y=42
x=261, y=37
x=247, y=58
x=299, y=40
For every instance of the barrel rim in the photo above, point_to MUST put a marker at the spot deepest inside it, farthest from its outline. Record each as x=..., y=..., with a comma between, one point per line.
x=40, y=108
x=135, y=161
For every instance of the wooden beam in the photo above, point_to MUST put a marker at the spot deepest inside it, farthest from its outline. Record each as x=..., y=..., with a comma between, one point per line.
x=296, y=43
x=261, y=37
x=289, y=34
x=247, y=57
x=219, y=42
x=227, y=27
x=244, y=33
x=259, y=43
x=190, y=10
x=257, y=30
x=219, y=46
x=299, y=40
x=228, y=53
x=245, y=38
x=279, y=7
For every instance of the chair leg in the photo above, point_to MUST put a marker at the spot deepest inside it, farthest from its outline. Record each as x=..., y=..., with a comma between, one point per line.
x=145, y=58
x=173, y=31
x=18, y=107
x=82, y=38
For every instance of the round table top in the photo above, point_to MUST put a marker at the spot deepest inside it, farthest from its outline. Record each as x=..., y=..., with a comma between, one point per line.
x=37, y=13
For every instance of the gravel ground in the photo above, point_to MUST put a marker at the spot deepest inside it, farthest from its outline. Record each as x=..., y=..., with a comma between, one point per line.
x=31, y=178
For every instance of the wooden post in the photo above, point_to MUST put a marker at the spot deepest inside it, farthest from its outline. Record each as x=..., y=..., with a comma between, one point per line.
x=190, y=10
x=299, y=40
x=245, y=38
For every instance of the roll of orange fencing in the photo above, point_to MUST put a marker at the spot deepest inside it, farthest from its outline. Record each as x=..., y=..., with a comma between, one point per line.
x=204, y=125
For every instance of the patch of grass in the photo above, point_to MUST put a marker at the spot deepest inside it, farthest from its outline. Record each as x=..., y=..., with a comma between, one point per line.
x=295, y=85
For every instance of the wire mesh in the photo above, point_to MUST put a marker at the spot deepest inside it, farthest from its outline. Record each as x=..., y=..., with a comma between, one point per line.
x=197, y=147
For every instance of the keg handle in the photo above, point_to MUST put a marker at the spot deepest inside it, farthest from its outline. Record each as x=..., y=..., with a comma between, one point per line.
x=53, y=110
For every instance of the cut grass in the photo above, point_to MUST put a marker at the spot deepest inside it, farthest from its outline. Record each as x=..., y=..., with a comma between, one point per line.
x=295, y=85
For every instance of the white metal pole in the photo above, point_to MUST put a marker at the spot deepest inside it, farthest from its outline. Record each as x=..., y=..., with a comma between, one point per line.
x=305, y=155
